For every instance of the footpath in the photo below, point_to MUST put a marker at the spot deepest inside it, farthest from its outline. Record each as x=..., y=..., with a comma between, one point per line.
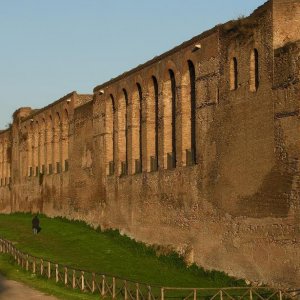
x=12, y=290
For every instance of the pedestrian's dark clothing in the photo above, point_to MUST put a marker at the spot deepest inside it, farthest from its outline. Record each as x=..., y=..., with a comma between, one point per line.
x=35, y=222
x=36, y=225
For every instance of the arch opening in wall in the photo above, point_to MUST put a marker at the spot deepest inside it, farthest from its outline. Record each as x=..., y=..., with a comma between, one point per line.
x=150, y=124
x=30, y=154
x=36, y=149
x=124, y=167
x=42, y=169
x=233, y=74
x=110, y=140
x=123, y=133
x=57, y=143
x=65, y=140
x=154, y=160
x=49, y=143
x=58, y=118
x=4, y=166
x=171, y=161
x=66, y=114
x=191, y=154
x=24, y=152
x=254, y=70
x=139, y=161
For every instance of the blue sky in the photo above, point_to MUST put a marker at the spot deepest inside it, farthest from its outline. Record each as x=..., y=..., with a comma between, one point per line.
x=49, y=48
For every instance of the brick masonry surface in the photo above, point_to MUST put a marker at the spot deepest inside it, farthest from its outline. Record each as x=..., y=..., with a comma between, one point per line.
x=196, y=150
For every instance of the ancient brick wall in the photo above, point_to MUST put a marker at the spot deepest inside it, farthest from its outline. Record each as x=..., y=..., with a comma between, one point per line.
x=196, y=150
x=84, y=182
x=286, y=21
x=41, y=147
x=236, y=208
x=5, y=169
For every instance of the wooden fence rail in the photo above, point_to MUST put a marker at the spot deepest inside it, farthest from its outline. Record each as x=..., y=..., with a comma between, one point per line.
x=113, y=287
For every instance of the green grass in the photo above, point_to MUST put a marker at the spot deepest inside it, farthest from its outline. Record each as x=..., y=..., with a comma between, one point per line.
x=77, y=245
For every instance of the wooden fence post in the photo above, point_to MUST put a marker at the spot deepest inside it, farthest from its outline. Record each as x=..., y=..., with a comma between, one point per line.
x=42, y=267
x=137, y=294
x=66, y=275
x=49, y=269
x=280, y=295
x=82, y=280
x=250, y=294
x=113, y=287
x=93, y=282
x=149, y=292
x=103, y=286
x=24, y=261
x=221, y=295
x=195, y=294
x=21, y=259
x=33, y=265
x=56, y=273
x=162, y=294
x=125, y=290
x=74, y=279
x=27, y=262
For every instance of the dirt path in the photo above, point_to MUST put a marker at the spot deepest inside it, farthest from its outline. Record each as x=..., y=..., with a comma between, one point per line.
x=12, y=290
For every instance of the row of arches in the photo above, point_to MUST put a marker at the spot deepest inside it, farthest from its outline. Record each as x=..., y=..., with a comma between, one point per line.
x=5, y=163
x=154, y=126
x=46, y=148
x=253, y=72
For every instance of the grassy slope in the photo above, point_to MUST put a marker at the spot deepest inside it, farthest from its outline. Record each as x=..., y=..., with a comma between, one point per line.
x=75, y=244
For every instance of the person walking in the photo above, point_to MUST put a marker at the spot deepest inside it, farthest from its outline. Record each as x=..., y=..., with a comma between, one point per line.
x=35, y=224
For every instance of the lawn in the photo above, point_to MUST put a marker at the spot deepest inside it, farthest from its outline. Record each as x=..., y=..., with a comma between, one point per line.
x=77, y=245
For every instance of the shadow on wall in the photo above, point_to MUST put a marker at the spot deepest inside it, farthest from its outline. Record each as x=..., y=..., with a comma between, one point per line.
x=272, y=198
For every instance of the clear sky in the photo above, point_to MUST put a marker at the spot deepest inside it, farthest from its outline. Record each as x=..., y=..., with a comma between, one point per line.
x=50, y=48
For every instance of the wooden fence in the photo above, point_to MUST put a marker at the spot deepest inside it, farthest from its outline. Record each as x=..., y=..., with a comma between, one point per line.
x=113, y=287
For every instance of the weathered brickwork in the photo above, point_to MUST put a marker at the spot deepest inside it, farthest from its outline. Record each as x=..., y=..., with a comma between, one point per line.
x=197, y=149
